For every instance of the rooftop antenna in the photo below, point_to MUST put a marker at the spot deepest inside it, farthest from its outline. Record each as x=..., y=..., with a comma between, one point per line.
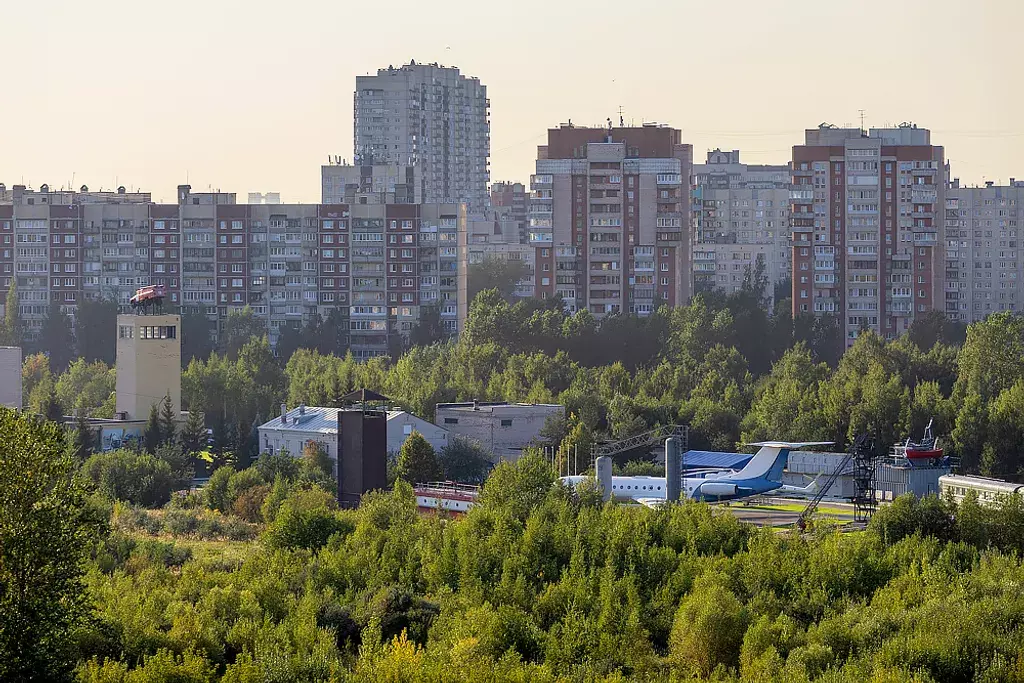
x=622, y=121
x=861, y=118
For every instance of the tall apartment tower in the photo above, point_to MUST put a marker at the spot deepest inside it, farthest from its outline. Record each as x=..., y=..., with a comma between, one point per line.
x=868, y=214
x=741, y=221
x=610, y=218
x=428, y=116
x=984, y=254
x=148, y=363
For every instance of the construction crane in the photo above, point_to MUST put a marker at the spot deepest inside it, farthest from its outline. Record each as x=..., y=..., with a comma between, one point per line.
x=649, y=438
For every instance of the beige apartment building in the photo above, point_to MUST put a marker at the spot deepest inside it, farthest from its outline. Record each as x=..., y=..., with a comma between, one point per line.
x=867, y=217
x=984, y=260
x=740, y=221
x=610, y=218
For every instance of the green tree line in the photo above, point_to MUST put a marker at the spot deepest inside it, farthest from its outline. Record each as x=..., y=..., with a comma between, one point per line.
x=536, y=583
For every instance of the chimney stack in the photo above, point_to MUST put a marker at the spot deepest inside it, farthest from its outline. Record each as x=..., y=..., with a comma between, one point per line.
x=284, y=413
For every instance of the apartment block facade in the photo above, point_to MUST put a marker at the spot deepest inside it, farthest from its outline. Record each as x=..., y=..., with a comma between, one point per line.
x=610, y=218
x=432, y=117
x=740, y=221
x=376, y=265
x=867, y=218
x=984, y=254
x=371, y=184
x=510, y=202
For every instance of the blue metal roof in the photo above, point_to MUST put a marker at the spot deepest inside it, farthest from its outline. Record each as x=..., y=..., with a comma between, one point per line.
x=701, y=459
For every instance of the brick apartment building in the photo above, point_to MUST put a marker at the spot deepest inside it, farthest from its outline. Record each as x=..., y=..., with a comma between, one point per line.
x=610, y=218
x=867, y=217
x=377, y=265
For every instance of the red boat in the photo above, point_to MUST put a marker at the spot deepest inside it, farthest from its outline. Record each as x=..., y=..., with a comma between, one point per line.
x=925, y=450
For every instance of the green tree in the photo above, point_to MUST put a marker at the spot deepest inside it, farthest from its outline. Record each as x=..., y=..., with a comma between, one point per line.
x=95, y=327
x=84, y=439
x=239, y=327
x=708, y=630
x=464, y=461
x=417, y=461
x=502, y=275
x=139, y=478
x=428, y=329
x=217, y=488
x=168, y=420
x=33, y=369
x=196, y=336
x=87, y=388
x=43, y=399
x=316, y=463
x=1001, y=456
x=56, y=338
x=44, y=535
x=193, y=433
x=152, y=435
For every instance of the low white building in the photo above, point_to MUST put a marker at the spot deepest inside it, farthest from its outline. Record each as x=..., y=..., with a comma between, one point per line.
x=401, y=424
x=10, y=376
x=504, y=429
x=304, y=424
x=298, y=427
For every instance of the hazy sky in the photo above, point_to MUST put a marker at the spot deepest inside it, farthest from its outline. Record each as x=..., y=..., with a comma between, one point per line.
x=253, y=95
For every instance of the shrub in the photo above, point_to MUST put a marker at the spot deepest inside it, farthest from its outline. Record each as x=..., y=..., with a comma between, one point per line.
x=138, y=478
x=249, y=503
x=307, y=519
x=216, y=490
x=182, y=522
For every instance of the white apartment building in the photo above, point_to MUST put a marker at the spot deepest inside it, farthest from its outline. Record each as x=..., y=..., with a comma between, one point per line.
x=430, y=116
x=740, y=219
x=984, y=260
x=868, y=223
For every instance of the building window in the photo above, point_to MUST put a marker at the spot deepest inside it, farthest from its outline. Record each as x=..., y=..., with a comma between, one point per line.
x=506, y=423
x=451, y=420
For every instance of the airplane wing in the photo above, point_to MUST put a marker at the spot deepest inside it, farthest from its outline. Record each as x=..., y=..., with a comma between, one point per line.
x=790, y=444
x=650, y=502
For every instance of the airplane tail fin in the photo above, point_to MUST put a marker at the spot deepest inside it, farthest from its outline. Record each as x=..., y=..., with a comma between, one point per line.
x=769, y=462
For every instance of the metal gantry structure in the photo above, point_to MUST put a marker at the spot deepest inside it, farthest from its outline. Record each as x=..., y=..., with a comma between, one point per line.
x=864, y=502
x=862, y=455
x=649, y=438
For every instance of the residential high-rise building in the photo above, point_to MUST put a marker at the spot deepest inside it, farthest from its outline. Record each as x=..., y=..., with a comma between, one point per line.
x=867, y=216
x=371, y=184
x=984, y=253
x=741, y=223
x=429, y=116
x=509, y=201
x=374, y=265
x=610, y=218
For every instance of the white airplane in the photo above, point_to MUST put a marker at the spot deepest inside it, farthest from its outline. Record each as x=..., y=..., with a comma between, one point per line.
x=762, y=474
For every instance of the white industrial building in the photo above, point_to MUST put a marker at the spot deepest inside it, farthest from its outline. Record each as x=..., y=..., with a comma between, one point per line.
x=304, y=424
x=504, y=429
